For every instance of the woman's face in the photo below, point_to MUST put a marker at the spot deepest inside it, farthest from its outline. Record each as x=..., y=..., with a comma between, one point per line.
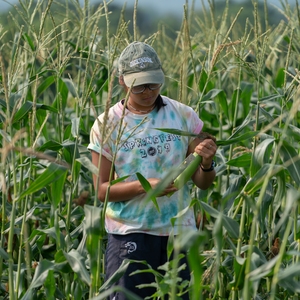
x=144, y=100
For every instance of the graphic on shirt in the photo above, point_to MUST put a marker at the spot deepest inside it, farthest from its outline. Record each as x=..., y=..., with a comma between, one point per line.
x=151, y=145
x=131, y=247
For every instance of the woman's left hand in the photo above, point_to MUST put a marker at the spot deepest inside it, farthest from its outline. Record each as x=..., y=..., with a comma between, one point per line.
x=207, y=148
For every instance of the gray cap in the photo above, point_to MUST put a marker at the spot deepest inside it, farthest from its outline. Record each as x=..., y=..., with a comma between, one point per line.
x=139, y=63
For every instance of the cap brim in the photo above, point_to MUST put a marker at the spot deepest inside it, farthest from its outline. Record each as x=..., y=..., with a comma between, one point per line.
x=151, y=76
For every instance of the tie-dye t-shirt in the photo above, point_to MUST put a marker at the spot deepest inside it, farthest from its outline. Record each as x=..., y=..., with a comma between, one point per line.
x=139, y=147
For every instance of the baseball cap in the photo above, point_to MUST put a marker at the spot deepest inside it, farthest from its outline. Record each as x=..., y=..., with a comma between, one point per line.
x=139, y=63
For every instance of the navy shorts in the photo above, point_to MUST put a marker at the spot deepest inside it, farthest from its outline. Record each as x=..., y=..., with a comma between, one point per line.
x=137, y=246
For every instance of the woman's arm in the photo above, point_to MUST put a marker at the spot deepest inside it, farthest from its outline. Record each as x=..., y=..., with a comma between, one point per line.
x=121, y=191
x=207, y=149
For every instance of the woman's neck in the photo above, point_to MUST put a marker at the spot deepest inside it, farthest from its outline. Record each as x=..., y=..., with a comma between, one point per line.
x=135, y=110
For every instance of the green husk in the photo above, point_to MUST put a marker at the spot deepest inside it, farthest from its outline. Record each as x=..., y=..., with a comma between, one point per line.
x=187, y=173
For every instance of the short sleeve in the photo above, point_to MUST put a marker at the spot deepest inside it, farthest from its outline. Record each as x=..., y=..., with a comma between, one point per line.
x=96, y=144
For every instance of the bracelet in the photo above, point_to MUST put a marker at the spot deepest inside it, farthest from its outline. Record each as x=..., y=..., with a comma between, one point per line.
x=212, y=167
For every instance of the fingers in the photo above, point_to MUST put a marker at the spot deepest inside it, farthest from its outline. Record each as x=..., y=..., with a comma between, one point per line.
x=168, y=191
x=206, y=148
x=155, y=182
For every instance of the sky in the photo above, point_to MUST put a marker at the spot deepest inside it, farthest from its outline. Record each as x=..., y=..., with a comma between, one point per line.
x=162, y=6
x=176, y=6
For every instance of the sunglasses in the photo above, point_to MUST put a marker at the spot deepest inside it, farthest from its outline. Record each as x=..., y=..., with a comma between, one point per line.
x=141, y=88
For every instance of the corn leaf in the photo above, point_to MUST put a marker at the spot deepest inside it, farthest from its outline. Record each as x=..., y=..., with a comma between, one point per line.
x=57, y=188
x=241, y=161
x=92, y=225
x=289, y=272
x=119, y=179
x=240, y=138
x=50, y=145
x=280, y=78
x=77, y=263
x=231, y=225
x=103, y=295
x=292, y=198
x=147, y=187
x=52, y=173
x=290, y=155
x=239, y=270
x=261, y=155
x=39, y=277
x=3, y=254
x=180, y=214
x=233, y=103
x=46, y=83
x=234, y=188
x=62, y=92
x=75, y=127
x=293, y=132
x=27, y=38
x=246, y=95
x=286, y=277
x=290, y=284
x=268, y=197
x=263, y=270
x=116, y=276
x=27, y=107
x=229, y=141
x=177, y=131
x=195, y=260
x=255, y=182
x=212, y=94
x=50, y=285
x=248, y=122
x=51, y=232
x=92, y=221
x=86, y=162
x=190, y=166
x=204, y=83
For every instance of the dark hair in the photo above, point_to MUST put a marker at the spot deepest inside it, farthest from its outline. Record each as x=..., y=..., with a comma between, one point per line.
x=159, y=103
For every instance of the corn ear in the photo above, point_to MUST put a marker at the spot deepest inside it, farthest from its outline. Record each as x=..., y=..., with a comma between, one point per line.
x=188, y=171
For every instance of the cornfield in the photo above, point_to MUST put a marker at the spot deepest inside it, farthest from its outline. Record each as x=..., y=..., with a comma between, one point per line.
x=58, y=75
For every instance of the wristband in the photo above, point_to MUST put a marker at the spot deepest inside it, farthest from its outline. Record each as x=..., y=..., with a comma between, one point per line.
x=212, y=167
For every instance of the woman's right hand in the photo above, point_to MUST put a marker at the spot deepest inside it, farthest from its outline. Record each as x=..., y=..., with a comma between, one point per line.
x=154, y=182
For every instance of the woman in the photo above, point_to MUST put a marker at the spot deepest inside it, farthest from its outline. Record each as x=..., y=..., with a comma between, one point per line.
x=127, y=141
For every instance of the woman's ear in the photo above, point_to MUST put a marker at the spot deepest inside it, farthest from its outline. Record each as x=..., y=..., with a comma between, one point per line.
x=121, y=80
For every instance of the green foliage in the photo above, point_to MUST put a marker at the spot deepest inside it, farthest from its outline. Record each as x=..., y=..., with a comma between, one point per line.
x=241, y=75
